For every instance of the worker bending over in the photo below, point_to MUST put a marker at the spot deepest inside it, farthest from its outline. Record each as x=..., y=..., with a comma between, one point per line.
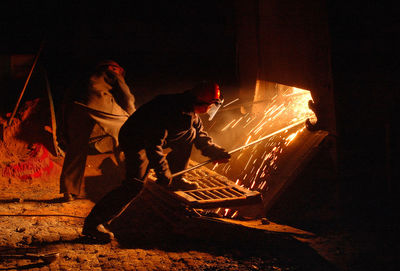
x=168, y=121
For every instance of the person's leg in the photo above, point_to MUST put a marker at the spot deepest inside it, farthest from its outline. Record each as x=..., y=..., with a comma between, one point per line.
x=116, y=201
x=178, y=157
x=79, y=128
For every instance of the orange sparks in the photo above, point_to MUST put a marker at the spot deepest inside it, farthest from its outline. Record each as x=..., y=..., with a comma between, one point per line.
x=237, y=122
x=248, y=140
x=227, y=126
x=234, y=214
x=290, y=138
x=226, y=212
x=257, y=163
x=215, y=165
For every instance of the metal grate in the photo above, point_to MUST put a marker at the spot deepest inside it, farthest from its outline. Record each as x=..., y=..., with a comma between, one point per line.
x=215, y=190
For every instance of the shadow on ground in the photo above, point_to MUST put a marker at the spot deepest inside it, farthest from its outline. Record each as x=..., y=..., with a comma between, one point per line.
x=263, y=250
x=240, y=244
x=149, y=224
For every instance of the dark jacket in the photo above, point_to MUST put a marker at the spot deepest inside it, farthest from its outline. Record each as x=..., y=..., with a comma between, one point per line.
x=165, y=121
x=101, y=95
x=105, y=91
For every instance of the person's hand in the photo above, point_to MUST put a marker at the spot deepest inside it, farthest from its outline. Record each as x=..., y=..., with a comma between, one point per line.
x=221, y=156
x=163, y=180
x=221, y=161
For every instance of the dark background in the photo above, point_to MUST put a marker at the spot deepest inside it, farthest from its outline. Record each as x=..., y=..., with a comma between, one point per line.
x=157, y=42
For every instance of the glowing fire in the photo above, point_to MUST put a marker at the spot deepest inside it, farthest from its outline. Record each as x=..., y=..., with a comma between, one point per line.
x=253, y=166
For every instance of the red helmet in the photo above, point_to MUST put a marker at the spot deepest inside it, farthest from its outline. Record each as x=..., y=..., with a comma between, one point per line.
x=110, y=63
x=207, y=93
x=107, y=62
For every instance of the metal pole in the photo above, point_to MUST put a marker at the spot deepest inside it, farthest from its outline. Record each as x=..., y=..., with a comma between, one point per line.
x=26, y=83
x=52, y=116
x=242, y=147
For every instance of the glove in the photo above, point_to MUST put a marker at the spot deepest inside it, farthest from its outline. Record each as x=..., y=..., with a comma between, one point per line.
x=164, y=179
x=220, y=156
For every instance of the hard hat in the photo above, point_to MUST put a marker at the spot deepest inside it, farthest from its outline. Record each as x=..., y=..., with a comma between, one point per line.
x=106, y=63
x=207, y=92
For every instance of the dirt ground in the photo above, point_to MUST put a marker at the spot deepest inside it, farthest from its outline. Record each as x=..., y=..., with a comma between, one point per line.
x=34, y=221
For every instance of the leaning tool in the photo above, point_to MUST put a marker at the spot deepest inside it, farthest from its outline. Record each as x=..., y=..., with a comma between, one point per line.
x=10, y=121
x=242, y=147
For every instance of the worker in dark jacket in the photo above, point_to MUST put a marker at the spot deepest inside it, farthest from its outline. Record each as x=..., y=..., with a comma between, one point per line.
x=93, y=111
x=168, y=121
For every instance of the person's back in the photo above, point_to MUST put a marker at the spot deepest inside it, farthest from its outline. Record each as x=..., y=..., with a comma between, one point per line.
x=169, y=112
x=107, y=91
x=93, y=114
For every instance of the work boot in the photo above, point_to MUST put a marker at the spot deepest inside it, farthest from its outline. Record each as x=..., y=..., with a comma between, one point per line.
x=68, y=197
x=98, y=233
x=71, y=197
x=182, y=184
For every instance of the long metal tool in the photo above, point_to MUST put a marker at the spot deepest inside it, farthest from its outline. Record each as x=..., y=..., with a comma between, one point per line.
x=242, y=147
x=57, y=149
x=26, y=83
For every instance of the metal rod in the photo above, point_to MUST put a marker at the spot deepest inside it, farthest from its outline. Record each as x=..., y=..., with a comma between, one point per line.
x=52, y=115
x=26, y=83
x=242, y=147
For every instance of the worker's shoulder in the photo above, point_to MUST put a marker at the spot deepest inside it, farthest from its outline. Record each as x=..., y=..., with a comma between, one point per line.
x=168, y=96
x=165, y=101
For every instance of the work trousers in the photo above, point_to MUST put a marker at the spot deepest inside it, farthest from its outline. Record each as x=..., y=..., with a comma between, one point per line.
x=79, y=127
x=137, y=167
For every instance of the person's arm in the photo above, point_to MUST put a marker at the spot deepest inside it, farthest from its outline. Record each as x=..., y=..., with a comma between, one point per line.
x=121, y=91
x=204, y=143
x=157, y=157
